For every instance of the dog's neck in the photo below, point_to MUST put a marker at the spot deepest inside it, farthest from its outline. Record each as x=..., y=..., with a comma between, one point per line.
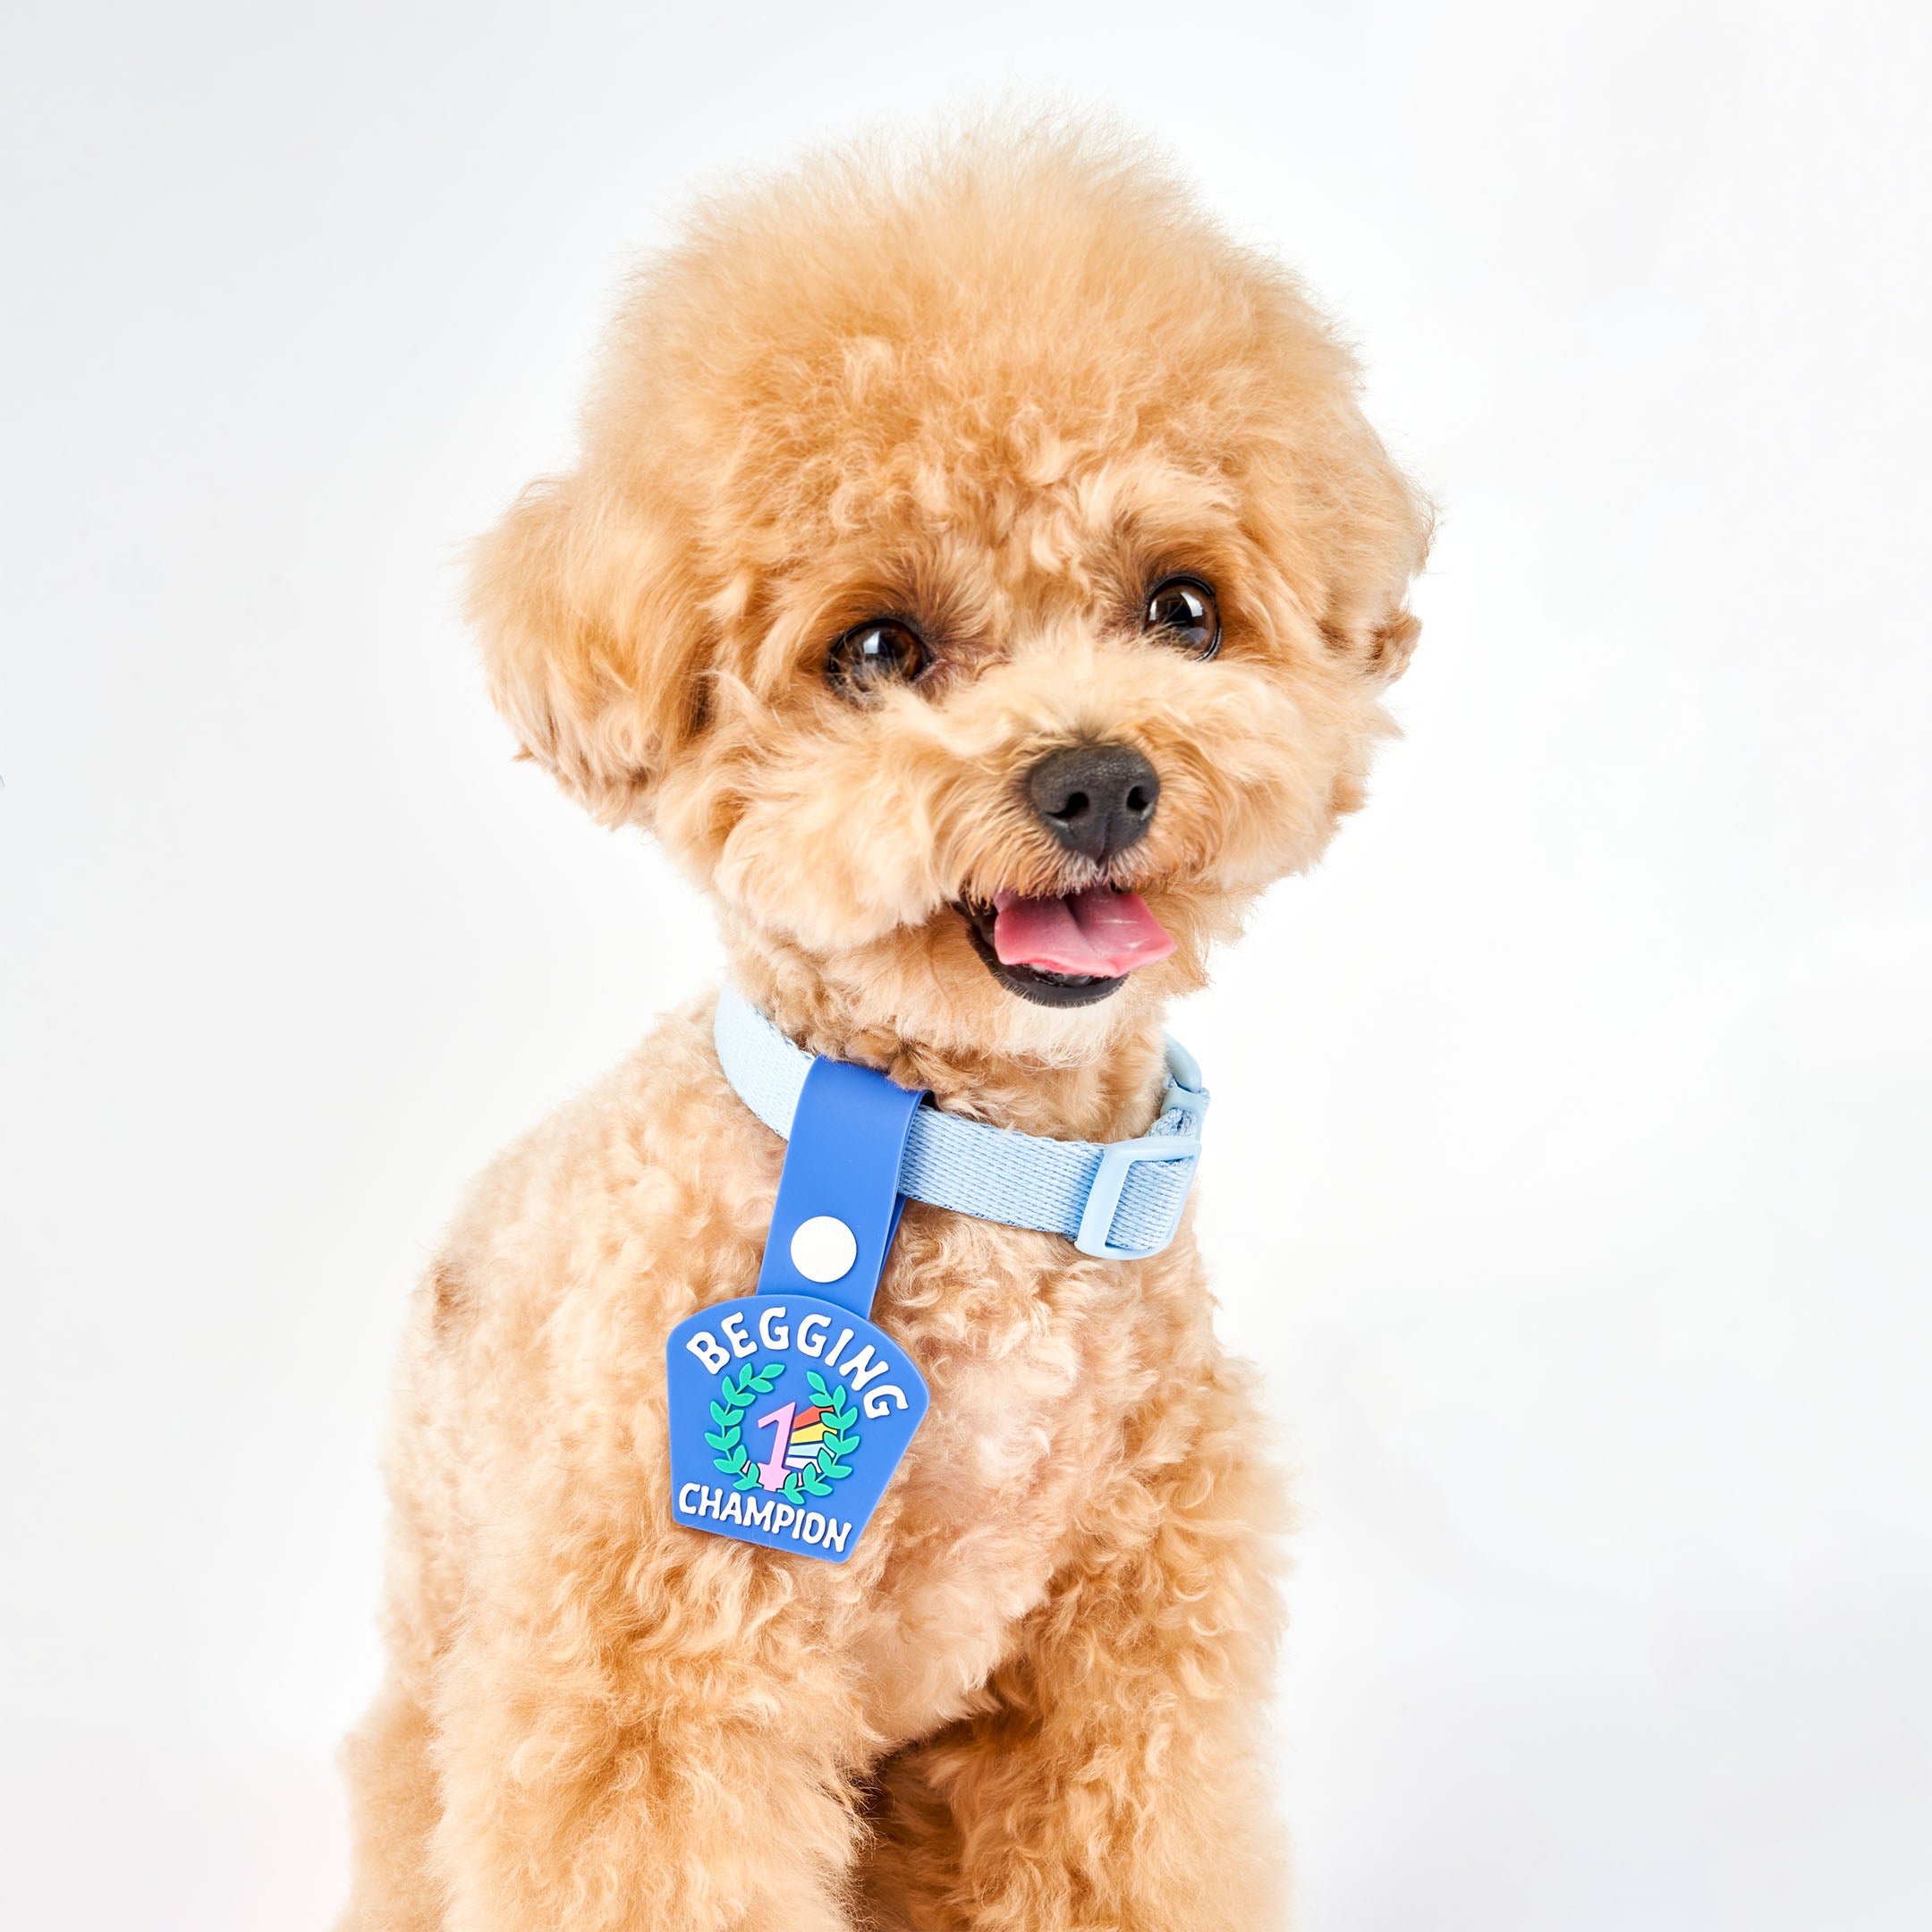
x=1111, y=1095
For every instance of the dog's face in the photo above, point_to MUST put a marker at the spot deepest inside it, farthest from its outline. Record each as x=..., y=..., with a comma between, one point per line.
x=982, y=580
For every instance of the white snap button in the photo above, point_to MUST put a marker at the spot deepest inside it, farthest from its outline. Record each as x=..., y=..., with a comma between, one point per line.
x=823, y=1249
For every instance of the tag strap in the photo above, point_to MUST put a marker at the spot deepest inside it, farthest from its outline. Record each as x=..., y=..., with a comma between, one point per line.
x=838, y=1197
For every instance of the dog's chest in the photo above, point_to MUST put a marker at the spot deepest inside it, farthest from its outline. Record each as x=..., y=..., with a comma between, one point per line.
x=1031, y=1382
x=1025, y=1358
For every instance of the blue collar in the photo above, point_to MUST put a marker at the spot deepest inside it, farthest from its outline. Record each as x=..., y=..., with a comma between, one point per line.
x=1120, y=1200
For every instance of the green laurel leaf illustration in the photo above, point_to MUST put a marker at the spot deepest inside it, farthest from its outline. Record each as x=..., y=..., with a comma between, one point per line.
x=820, y=1389
x=716, y=1440
x=767, y=1376
x=747, y=1480
x=721, y=1415
x=813, y=1483
x=834, y=1468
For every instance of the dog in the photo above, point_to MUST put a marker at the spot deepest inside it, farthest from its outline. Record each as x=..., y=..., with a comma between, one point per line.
x=980, y=576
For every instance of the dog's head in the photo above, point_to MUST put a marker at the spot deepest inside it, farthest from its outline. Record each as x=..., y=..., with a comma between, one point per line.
x=977, y=572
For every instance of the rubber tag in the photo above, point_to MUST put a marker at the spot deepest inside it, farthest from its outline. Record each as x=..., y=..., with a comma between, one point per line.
x=790, y=1409
x=788, y=1417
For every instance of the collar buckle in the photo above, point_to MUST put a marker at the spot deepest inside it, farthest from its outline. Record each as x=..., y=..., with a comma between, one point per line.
x=1118, y=1160
x=1181, y=1141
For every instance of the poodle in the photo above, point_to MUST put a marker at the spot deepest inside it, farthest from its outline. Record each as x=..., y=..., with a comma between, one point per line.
x=979, y=572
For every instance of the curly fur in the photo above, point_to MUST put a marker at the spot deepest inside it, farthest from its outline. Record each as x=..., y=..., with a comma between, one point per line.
x=997, y=386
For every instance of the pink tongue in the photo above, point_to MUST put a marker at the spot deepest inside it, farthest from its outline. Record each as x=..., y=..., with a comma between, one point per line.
x=1100, y=931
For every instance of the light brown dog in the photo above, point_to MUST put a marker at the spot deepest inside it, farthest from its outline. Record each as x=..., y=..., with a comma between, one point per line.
x=902, y=480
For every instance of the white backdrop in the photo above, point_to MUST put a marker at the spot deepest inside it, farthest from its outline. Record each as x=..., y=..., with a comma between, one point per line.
x=1571, y=1123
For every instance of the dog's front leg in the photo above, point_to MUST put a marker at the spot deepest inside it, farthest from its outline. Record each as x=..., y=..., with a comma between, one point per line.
x=1121, y=1779
x=674, y=1782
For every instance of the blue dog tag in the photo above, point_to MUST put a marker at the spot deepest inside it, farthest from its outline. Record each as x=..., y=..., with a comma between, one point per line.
x=788, y=1417
x=790, y=1409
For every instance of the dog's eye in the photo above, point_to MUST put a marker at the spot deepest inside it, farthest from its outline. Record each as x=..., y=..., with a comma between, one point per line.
x=1183, y=610
x=879, y=652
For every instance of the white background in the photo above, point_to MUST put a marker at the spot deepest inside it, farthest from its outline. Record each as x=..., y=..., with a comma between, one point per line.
x=1571, y=1127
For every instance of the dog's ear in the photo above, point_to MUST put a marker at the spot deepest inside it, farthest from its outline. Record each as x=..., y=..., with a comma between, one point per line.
x=1349, y=531
x=1390, y=526
x=592, y=629
x=1381, y=648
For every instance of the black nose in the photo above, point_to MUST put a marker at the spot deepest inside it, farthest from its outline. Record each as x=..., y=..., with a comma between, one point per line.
x=1097, y=800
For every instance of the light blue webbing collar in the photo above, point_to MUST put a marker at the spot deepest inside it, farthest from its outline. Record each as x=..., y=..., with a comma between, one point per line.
x=1120, y=1200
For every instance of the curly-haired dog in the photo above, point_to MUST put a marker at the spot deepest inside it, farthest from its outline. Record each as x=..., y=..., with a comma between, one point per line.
x=978, y=573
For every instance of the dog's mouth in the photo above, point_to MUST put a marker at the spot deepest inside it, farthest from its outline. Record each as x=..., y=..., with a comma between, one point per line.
x=1067, y=952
